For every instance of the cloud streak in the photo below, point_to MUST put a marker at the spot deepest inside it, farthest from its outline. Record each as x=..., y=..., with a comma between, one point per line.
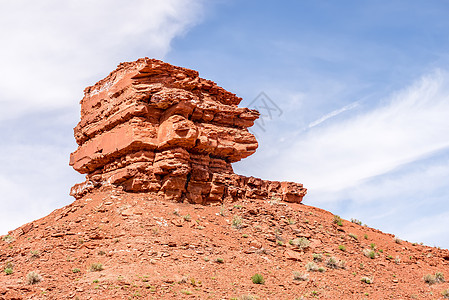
x=410, y=124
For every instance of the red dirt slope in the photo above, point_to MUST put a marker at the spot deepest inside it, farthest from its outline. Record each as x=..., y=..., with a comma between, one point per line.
x=151, y=248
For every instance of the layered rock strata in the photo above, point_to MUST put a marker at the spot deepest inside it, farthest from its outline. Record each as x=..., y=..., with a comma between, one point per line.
x=153, y=127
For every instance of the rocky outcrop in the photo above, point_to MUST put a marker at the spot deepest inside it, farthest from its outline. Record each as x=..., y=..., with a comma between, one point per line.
x=153, y=127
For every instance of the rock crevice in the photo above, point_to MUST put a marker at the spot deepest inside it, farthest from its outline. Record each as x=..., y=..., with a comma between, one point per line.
x=153, y=127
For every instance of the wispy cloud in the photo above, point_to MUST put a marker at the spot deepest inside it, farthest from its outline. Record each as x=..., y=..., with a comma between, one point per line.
x=408, y=125
x=333, y=114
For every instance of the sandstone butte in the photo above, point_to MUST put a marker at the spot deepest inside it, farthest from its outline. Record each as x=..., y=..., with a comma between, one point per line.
x=153, y=127
x=161, y=214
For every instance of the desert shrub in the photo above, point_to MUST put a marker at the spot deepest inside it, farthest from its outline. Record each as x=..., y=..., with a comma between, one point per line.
x=317, y=257
x=353, y=236
x=33, y=278
x=247, y=297
x=338, y=220
x=439, y=277
x=311, y=266
x=369, y=253
x=76, y=270
x=321, y=269
x=219, y=260
x=397, y=260
x=342, y=247
x=445, y=294
x=35, y=254
x=257, y=279
x=8, y=238
x=335, y=263
x=8, y=271
x=355, y=221
x=96, y=267
x=301, y=243
x=397, y=240
x=237, y=222
x=367, y=280
x=430, y=279
x=300, y=276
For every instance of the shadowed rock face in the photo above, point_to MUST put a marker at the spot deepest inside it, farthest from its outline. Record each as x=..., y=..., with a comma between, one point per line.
x=153, y=127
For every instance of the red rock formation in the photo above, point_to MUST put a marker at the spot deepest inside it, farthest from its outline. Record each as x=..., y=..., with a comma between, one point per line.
x=153, y=127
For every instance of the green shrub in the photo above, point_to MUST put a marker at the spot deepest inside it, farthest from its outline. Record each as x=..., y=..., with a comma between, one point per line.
x=445, y=294
x=9, y=271
x=367, y=280
x=338, y=220
x=317, y=257
x=96, y=267
x=369, y=253
x=76, y=270
x=335, y=263
x=355, y=221
x=257, y=279
x=342, y=247
x=219, y=260
x=430, y=279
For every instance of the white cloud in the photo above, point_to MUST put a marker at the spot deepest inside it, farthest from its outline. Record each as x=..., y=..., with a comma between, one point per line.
x=52, y=49
x=409, y=125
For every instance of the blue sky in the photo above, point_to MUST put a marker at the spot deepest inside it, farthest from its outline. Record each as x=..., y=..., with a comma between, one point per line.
x=360, y=89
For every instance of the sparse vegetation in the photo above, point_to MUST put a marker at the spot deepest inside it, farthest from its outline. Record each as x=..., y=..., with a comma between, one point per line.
x=258, y=279
x=76, y=270
x=187, y=218
x=219, y=260
x=365, y=236
x=338, y=220
x=35, y=254
x=369, y=253
x=9, y=271
x=439, y=277
x=311, y=266
x=237, y=222
x=301, y=243
x=8, y=238
x=430, y=279
x=33, y=278
x=397, y=260
x=186, y=292
x=96, y=267
x=246, y=297
x=445, y=294
x=342, y=247
x=372, y=246
x=317, y=257
x=300, y=276
x=355, y=221
x=397, y=240
x=353, y=236
x=367, y=280
x=335, y=263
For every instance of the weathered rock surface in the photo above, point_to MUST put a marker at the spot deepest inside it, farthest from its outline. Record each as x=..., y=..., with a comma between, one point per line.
x=153, y=127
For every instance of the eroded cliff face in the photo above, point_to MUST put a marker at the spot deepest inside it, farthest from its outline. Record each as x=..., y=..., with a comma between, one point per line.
x=153, y=127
